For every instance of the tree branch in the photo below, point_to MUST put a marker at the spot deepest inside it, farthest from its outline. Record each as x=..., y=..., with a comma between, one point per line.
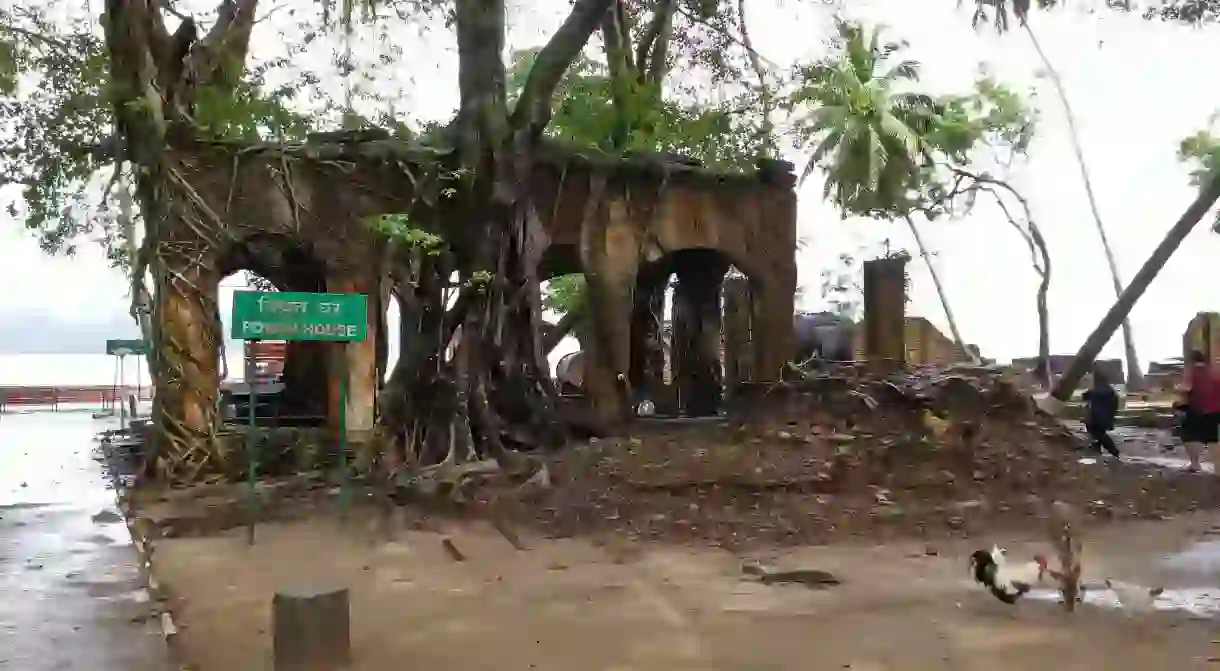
x=221, y=55
x=620, y=36
x=169, y=8
x=36, y=37
x=658, y=30
x=533, y=110
x=618, y=57
x=764, y=92
x=733, y=38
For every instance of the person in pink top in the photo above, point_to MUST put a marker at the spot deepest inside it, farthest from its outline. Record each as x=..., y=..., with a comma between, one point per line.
x=1201, y=399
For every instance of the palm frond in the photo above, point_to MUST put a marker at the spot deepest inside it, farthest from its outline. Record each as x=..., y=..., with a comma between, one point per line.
x=906, y=70
x=867, y=138
x=878, y=157
x=900, y=135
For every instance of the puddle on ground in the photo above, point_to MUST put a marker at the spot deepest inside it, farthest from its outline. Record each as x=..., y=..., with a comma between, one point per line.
x=1202, y=602
x=1166, y=462
x=1202, y=557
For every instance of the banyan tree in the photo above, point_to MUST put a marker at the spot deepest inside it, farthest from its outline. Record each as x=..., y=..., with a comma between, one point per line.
x=488, y=193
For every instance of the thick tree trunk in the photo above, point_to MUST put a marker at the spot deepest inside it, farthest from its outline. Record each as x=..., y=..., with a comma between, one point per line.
x=940, y=291
x=495, y=392
x=186, y=390
x=1148, y=272
x=154, y=76
x=1135, y=375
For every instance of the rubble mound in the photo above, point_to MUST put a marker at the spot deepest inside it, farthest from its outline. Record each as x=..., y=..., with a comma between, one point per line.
x=925, y=452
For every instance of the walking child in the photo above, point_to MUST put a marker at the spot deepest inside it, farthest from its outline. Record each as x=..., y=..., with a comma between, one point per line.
x=1102, y=410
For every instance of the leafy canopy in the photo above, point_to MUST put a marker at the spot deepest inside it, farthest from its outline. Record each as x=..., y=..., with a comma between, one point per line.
x=53, y=108
x=718, y=135
x=888, y=150
x=56, y=118
x=566, y=293
x=999, y=13
x=868, y=132
x=1201, y=152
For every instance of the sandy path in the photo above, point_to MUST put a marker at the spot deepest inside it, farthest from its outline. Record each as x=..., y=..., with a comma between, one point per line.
x=575, y=604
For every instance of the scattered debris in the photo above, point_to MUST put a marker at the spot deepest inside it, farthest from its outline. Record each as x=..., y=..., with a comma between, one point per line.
x=811, y=578
x=924, y=452
x=509, y=534
x=451, y=549
x=107, y=517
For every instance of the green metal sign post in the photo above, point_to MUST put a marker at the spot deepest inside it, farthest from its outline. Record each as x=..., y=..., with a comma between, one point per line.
x=125, y=347
x=262, y=315
x=121, y=348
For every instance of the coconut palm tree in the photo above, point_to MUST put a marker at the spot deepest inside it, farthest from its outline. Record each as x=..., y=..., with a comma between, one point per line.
x=868, y=133
x=997, y=11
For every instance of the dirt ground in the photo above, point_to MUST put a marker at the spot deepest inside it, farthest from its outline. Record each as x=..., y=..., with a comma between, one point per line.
x=611, y=604
x=636, y=546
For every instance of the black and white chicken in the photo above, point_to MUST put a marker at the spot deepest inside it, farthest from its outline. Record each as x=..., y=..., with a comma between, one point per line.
x=1006, y=582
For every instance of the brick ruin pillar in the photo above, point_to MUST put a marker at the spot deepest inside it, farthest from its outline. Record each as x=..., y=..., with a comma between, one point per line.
x=885, y=311
x=647, y=345
x=696, y=351
x=773, y=296
x=356, y=360
x=737, y=346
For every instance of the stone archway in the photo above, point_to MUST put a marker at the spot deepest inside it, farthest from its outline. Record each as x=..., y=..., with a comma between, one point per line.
x=289, y=265
x=617, y=214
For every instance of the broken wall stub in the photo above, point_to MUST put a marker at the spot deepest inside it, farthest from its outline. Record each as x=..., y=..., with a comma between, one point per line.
x=247, y=203
x=927, y=346
x=885, y=283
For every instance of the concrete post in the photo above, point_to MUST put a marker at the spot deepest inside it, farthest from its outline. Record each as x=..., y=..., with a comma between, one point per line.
x=311, y=630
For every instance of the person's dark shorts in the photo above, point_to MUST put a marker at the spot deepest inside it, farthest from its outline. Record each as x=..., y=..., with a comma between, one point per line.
x=1201, y=428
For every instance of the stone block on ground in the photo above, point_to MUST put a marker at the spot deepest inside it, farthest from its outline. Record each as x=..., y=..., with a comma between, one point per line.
x=312, y=629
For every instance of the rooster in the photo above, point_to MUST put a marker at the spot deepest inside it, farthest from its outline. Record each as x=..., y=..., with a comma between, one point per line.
x=1006, y=582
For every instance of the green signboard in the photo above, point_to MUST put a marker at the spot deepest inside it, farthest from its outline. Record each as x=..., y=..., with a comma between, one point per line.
x=285, y=315
x=125, y=347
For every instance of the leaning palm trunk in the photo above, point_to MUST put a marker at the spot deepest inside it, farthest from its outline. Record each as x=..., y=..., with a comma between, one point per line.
x=1135, y=377
x=940, y=291
x=1148, y=272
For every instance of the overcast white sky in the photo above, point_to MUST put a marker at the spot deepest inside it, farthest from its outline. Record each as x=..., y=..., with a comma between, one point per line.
x=1138, y=87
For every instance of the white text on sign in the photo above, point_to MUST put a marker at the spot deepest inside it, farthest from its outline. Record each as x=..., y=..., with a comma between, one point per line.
x=290, y=328
x=274, y=306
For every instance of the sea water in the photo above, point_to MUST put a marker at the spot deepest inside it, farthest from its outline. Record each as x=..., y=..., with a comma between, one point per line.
x=81, y=370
